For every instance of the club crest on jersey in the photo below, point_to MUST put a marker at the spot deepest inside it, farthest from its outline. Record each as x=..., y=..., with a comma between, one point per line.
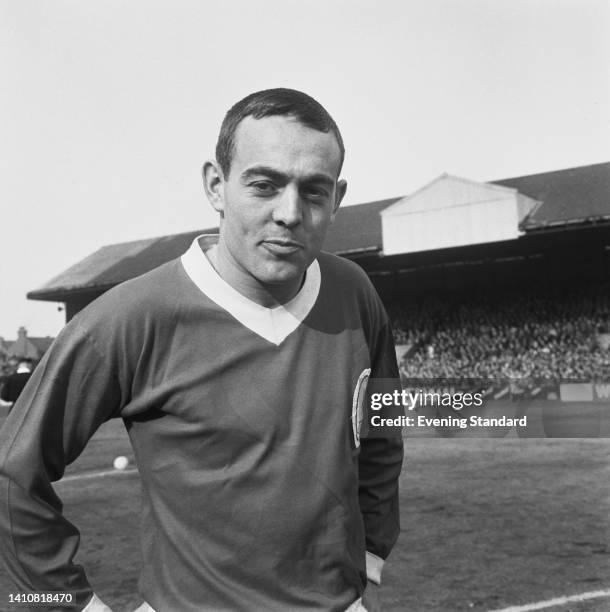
x=358, y=404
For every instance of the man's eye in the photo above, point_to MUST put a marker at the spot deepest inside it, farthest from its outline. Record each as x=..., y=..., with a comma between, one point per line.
x=263, y=187
x=315, y=193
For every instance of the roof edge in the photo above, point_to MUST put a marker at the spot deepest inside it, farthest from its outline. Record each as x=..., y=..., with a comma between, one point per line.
x=542, y=225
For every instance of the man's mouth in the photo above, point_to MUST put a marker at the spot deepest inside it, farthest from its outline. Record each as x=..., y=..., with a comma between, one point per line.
x=281, y=246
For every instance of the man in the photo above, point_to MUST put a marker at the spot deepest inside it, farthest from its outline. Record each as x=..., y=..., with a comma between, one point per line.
x=238, y=370
x=15, y=382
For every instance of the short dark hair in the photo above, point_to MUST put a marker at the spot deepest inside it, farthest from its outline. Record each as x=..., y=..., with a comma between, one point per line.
x=268, y=103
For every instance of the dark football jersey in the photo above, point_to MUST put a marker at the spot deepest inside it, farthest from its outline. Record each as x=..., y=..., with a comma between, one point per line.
x=257, y=492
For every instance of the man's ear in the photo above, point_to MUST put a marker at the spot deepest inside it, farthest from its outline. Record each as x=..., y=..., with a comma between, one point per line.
x=213, y=184
x=339, y=194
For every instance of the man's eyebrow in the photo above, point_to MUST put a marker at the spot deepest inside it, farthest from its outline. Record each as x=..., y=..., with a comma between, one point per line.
x=265, y=170
x=317, y=177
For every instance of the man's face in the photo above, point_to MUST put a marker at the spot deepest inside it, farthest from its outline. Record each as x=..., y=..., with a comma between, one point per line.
x=279, y=199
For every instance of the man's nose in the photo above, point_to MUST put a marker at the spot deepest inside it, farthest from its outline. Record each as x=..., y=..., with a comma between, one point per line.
x=288, y=209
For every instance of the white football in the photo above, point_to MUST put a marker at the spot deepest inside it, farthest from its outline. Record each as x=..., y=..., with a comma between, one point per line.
x=120, y=463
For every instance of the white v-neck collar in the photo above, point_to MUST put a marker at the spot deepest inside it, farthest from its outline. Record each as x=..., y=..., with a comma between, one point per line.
x=272, y=324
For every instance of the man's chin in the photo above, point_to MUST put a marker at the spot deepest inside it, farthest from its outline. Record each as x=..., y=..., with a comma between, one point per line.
x=285, y=273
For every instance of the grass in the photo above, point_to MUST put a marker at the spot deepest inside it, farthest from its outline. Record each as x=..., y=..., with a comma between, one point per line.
x=487, y=523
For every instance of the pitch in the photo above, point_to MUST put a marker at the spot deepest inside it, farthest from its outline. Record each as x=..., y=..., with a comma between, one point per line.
x=487, y=524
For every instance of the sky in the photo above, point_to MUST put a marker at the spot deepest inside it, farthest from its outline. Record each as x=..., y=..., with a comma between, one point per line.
x=108, y=108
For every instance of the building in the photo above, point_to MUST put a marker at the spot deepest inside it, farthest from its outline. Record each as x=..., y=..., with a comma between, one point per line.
x=453, y=234
x=25, y=346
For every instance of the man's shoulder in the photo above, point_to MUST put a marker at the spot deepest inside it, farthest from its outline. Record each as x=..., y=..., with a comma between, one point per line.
x=345, y=277
x=345, y=282
x=152, y=293
x=342, y=269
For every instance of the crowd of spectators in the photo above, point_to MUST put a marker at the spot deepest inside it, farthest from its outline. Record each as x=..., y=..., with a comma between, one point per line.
x=554, y=334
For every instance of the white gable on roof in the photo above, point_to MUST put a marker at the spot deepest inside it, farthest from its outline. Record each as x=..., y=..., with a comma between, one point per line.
x=450, y=212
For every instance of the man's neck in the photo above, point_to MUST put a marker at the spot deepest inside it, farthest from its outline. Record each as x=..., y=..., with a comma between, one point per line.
x=267, y=296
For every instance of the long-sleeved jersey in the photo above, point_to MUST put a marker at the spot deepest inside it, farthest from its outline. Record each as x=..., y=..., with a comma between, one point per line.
x=257, y=492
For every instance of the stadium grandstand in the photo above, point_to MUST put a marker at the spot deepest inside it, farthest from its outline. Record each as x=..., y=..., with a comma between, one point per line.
x=508, y=278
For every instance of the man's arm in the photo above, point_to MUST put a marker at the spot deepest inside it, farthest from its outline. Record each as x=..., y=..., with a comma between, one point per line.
x=72, y=392
x=380, y=463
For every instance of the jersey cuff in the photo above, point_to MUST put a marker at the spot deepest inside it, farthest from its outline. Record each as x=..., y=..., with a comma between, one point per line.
x=374, y=565
x=95, y=603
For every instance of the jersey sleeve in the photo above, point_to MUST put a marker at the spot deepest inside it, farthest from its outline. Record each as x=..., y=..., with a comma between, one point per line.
x=380, y=463
x=71, y=393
